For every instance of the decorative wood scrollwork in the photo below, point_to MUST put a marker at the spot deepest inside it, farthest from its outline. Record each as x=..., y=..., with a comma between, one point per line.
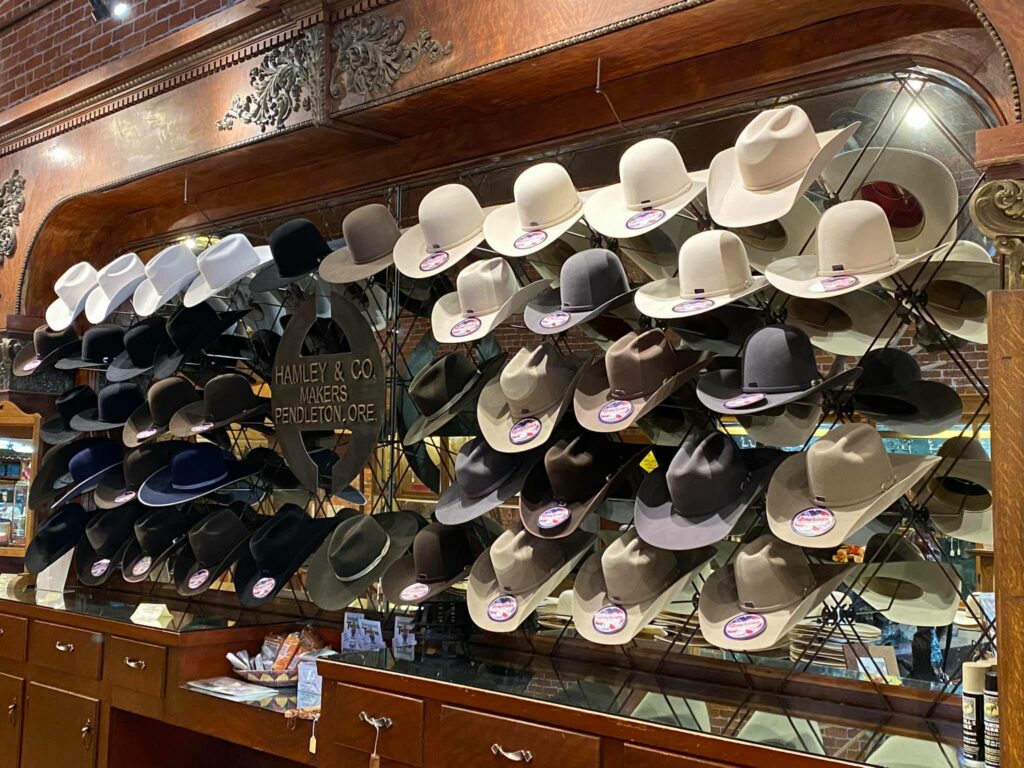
x=370, y=55
x=12, y=203
x=997, y=208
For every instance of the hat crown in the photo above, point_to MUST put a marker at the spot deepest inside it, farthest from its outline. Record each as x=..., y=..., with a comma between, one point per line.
x=167, y=396
x=275, y=543
x=449, y=216
x=187, y=322
x=77, y=281
x=848, y=466
x=534, y=379
x=590, y=279
x=93, y=459
x=172, y=264
x=776, y=148
x=887, y=367
x=484, y=286
x=142, y=340
x=102, y=343
x=45, y=340
x=436, y=385
x=370, y=232
x=64, y=525
x=652, y=173
x=854, y=237
x=440, y=553
x=634, y=571
x=297, y=247
x=142, y=463
x=108, y=530
x=116, y=402
x=215, y=538
x=523, y=562
x=159, y=529
x=227, y=395
x=120, y=272
x=575, y=469
x=963, y=447
x=197, y=466
x=75, y=401
x=545, y=195
x=637, y=364
x=356, y=546
x=778, y=358
x=223, y=261
x=771, y=574
x=713, y=263
x=705, y=475
x=479, y=469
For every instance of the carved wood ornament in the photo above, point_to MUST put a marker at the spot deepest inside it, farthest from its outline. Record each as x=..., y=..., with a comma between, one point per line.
x=12, y=203
x=997, y=208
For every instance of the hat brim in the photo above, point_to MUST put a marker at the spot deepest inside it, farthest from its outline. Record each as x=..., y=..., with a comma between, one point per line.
x=949, y=510
x=855, y=322
x=483, y=586
x=798, y=275
x=722, y=331
x=798, y=226
x=60, y=316
x=503, y=231
x=329, y=592
x=53, y=432
x=607, y=211
x=719, y=604
x=86, y=558
x=593, y=392
x=402, y=574
x=794, y=426
x=446, y=316
x=89, y=421
x=661, y=525
x=86, y=485
x=716, y=388
x=926, y=407
x=915, y=593
x=44, y=486
x=111, y=487
x=550, y=301
x=789, y=494
x=660, y=298
x=76, y=362
x=158, y=490
x=27, y=362
x=169, y=359
x=454, y=507
x=977, y=276
x=247, y=572
x=731, y=204
x=99, y=304
x=146, y=300
x=424, y=425
x=340, y=267
x=200, y=289
x=139, y=423
x=122, y=368
x=590, y=595
x=133, y=555
x=185, y=566
x=270, y=278
x=193, y=419
x=411, y=251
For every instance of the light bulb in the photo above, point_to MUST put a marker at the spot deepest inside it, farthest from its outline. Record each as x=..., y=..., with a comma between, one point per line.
x=917, y=117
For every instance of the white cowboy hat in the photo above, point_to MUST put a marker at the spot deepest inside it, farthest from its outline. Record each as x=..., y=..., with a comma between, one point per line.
x=487, y=293
x=854, y=249
x=72, y=289
x=905, y=752
x=167, y=274
x=777, y=239
x=713, y=271
x=546, y=206
x=451, y=225
x=653, y=187
x=848, y=324
x=224, y=264
x=114, y=284
x=776, y=159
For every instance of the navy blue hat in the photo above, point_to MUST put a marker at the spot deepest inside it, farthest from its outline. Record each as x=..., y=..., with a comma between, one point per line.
x=115, y=404
x=55, y=537
x=194, y=471
x=88, y=467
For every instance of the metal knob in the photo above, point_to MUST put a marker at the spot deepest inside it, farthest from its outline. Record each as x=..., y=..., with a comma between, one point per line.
x=138, y=664
x=376, y=722
x=12, y=712
x=86, y=733
x=65, y=647
x=518, y=756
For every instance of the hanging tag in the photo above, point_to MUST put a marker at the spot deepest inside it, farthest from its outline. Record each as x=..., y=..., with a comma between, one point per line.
x=312, y=736
x=374, y=761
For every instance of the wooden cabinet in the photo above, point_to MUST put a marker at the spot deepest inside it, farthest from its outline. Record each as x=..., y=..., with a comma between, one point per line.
x=12, y=706
x=66, y=649
x=136, y=666
x=13, y=637
x=401, y=742
x=61, y=729
x=654, y=758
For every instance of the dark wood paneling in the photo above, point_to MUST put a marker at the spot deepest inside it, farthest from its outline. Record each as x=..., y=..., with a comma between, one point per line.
x=13, y=637
x=67, y=650
x=632, y=755
x=136, y=666
x=61, y=729
x=402, y=742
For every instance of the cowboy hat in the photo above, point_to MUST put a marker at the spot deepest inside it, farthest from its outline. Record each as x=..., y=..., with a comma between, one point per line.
x=441, y=555
x=750, y=604
x=819, y=497
x=572, y=481
x=194, y=471
x=487, y=294
x=168, y=273
x=50, y=477
x=46, y=348
x=296, y=250
x=546, y=205
x=855, y=248
x=122, y=484
x=846, y=325
x=786, y=426
x=484, y=479
x=72, y=289
x=57, y=429
x=159, y=534
x=211, y=546
x=88, y=466
x=653, y=186
x=776, y=367
x=958, y=495
x=56, y=536
x=782, y=237
x=141, y=343
x=164, y=398
x=621, y=590
x=115, y=403
x=514, y=575
x=722, y=331
x=635, y=375
x=224, y=264
x=190, y=330
x=369, y=236
x=451, y=225
x=655, y=251
x=101, y=344
x=115, y=284
x=519, y=409
x=591, y=283
x=107, y=535
x=699, y=498
x=775, y=160
x=772, y=730
x=227, y=399
x=906, y=752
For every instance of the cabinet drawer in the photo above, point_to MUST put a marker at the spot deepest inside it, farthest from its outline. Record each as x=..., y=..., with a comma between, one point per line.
x=654, y=758
x=136, y=666
x=13, y=637
x=471, y=738
x=402, y=742
x=65, y=649
x=12, y=706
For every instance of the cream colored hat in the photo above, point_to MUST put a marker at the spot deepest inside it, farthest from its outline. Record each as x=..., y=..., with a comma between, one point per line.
x=451, y=225
x=771, y=730
x=511, y=578
x=790, y=425
x=713, y=271
x=854, y=249
x=885, y=176
x=905, y=752
x=782, y=237
x=958, y=495
x=115, y=284
x=487, y=293
x=167, y=274
x=655, y=251
x=776, y=159
x=370, y=233
x=846, y=479
x=72, y=289
x=223, y=264
x=849, y=324
x=546, y=205
x=653, y=186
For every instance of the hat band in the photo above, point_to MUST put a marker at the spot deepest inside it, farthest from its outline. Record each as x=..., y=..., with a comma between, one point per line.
x=533, y=225
x=485, y=310
x=520, y=410
x=703, y=293
x=370, y=567
x=885, y=486
x=621, y=394
x=778, y=182
x=202, y=484
x=839, y=269
x=448, y=246
x=753, y=387
x=357, y=259
x=749, y=606
x=645, y=205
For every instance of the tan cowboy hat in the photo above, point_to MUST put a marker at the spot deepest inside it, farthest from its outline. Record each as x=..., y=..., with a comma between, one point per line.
x=776, y=159
x=519, y=409
x=713, y=271
x=750, y=604
x=849, y=324
x=958, y=495
x=819, y=497
x=620, y=591
x=917, y=192
x=546, y=205
x=779, y=238
x=771, y=730
x=487, y=293
x=653, y=187
x=854, y=249
x=511, y=578
x=784, y=427
x=451, y=225
x=905, y=752
x=635, y=375
x=370, y=233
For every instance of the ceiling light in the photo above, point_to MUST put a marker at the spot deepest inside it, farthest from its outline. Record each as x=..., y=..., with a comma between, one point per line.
x=917, y=117
x=121, y=10
x=104, y=9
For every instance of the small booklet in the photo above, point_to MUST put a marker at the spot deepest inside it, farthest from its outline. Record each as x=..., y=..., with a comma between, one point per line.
x=231, y=688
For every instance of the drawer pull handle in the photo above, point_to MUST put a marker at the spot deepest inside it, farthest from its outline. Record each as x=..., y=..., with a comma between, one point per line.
x=2, y=630
x=376, y=722
x=12, y=712
x=86, y=733
x=138, y=664
x=519, y=756
x=65, y=647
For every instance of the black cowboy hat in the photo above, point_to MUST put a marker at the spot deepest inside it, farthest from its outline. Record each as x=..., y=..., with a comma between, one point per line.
x=122, y=485
x=55, y=537
x=164, y=398
x=298, y=248
x=441, y=555
x=106, y=538
x=227, y=399
x=141, y=343
x=100, y=345
x=189, y=330
x=195, y=470
x=115, y=403
x=45, y=349
x=158, y=534
x=275, y=472
x=211, y=547
x=57, y=429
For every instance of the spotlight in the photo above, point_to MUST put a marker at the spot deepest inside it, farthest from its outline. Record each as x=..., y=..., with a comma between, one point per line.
x=121, y=10
x=104, y=9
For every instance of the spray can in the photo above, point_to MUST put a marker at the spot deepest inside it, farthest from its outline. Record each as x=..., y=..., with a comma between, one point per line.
x=973, y=705
x=991, y=717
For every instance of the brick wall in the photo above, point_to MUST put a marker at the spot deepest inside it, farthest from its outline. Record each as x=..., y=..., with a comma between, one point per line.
x=60, y=40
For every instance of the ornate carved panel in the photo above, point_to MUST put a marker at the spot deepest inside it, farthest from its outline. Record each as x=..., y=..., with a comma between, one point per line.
x=997, y=208
x=12, y=203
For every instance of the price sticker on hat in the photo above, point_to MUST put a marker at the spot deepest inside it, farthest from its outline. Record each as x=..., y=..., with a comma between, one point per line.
x=146, y=433
x=645, y=219
x=31, y=365
x=502, y=608
x=122, y=498
x=746, y=626
x=746, y=401
x=206, y=426
x=609, y=620
x=615, y=411
x=552, y=517
x=555, y=319
x=142, y=566
x=99, y=568
x=263, y=588
x=414, y=593
x=530, y=240
x=197, y=579
x=434, y=261
x=832, y=284
x=815, y=521
x=524, y=431
x=465, y=327
x=693, y=305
